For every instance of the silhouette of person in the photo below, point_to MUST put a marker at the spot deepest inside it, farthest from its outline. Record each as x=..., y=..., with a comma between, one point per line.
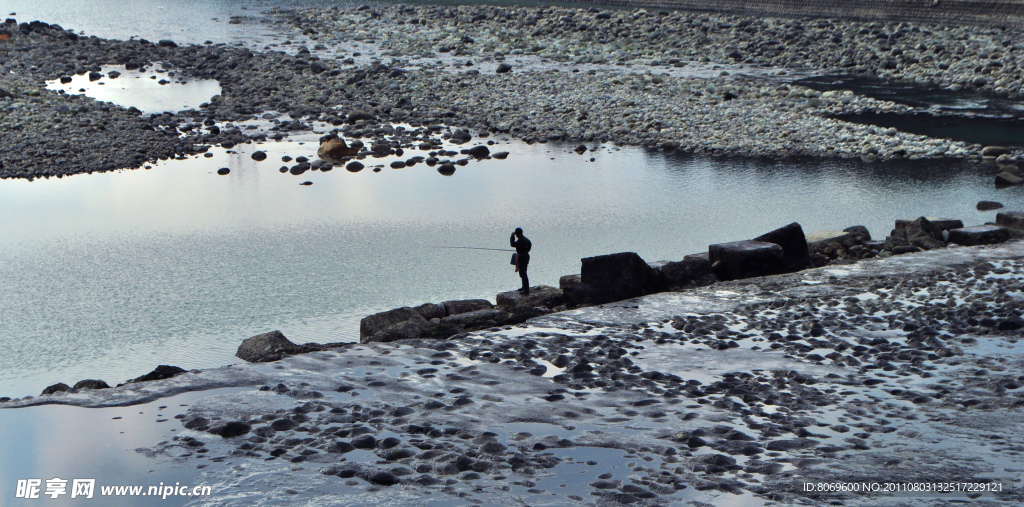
x=522, y=245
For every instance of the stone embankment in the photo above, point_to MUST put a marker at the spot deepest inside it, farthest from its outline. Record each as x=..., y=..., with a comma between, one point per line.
x=621, y=276
x=601, y=80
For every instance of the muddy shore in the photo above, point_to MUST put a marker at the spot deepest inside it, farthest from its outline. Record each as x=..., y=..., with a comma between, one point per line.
x=572, y=74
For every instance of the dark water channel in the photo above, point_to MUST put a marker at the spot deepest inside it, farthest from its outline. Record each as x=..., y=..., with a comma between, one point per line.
x=960, y=115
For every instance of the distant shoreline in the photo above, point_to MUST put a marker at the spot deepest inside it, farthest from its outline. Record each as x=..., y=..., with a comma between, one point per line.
x=1009, y=13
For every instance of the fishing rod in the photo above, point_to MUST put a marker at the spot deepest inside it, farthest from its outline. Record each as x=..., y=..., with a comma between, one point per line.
x=475, y=248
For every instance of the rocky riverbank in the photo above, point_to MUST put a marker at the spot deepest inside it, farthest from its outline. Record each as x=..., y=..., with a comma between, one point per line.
x=897, y=370
x=549, y=73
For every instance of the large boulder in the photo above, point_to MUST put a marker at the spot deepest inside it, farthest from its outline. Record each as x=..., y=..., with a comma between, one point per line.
x=336, y=148
x=746, y=259
x=994, y=151
x=941, y=224
x=927, y=235
x=59, y=387
x=160, y=373
x=431, y=311
x=568, y=281
x=860, y=233
x=818, y=242
x=979, y=235
x=794, y=246
x=458, y=306
x=1008, y=179
x=615, y=277
x=541, y=295
x=268, y=347
x=399, y=324
x=91, y=384
x=477, y=319
x=692, y=271
x=1011, y=219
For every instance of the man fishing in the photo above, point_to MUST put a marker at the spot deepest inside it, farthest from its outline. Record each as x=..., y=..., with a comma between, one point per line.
x=522, y=245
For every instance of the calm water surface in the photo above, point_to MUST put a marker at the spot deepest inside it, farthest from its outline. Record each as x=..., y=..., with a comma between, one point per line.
x=108, y=275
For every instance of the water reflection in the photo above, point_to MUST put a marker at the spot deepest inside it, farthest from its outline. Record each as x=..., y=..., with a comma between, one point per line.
x=107, y=275
x=153, y=90
x=65, y=442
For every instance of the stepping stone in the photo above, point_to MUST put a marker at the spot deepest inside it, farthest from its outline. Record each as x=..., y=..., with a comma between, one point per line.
x=746, y=259
x=941, y=223
x=979, y=235
x=1011, y=219
x=794, y=246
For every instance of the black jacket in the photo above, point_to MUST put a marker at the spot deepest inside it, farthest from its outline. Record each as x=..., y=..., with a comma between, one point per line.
x=522, y=247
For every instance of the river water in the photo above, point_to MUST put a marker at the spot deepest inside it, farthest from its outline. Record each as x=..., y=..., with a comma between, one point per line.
x=108, y=275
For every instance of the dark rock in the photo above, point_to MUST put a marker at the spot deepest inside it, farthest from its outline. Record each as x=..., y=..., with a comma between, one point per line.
x=446, y=169
x=794, y=246
x=55, y=388
x=568, y=281
x=979, y=235
x=618, y=276
x=461, y=136
x=541, y=295
x=364, y=442
x=231, y=429
x=1012, y=324
x=284, y=424
x=431, y=311
x=821, y=241
x=398, y=324
x=95, y=76
x=91, y=384
x=382, y=478
x=478, y=151
x=354, y=166
x=994, y=151
x=501, y=155
x=269, y=347
x=259, y=156
x=161, y=372
x=197, y=423
x=720, y=460
x=927, y=235
x=340, y=448
x=989, y=205
x=746, y=259
x=790, y=444
x=1008, y=179
x=478, y=319
x=1011, y=219
x=458, y=306
x=398, y=164
x=861, y=233
x=503, y=68
x=223, y=171
x=692, y=271
x=167, y=43
x=336, y=148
